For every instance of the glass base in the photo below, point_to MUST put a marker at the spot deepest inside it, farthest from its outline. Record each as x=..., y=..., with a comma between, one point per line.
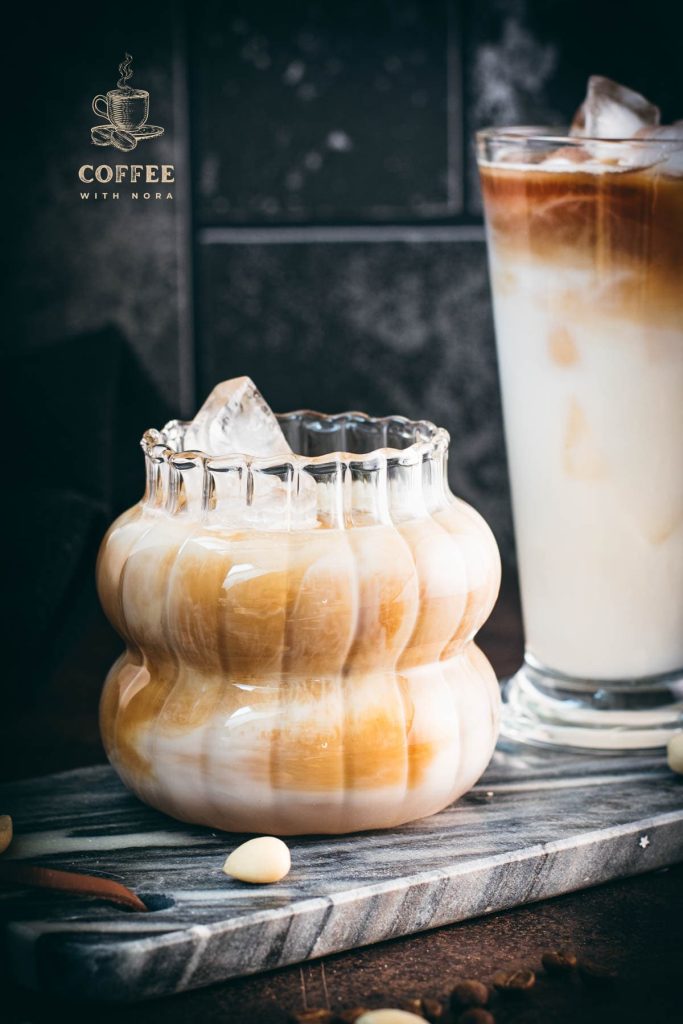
x=548, y=709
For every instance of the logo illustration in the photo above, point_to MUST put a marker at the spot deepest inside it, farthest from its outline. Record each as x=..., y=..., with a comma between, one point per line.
x=125, y=111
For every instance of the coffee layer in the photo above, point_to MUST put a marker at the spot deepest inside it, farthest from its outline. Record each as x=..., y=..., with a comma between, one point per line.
x=625, y=228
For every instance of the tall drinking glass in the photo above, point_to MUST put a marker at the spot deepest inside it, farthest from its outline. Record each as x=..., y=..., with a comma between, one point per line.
x=585, y=242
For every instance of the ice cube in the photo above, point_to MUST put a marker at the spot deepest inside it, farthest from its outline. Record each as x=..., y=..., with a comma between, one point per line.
x=667, y=146
x=236, y=420
x=612, y=111
x=663, y=132
x=673, y=164
x=566, y=157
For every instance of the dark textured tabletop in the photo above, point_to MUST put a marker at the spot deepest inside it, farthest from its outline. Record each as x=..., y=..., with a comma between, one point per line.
x=632, y=927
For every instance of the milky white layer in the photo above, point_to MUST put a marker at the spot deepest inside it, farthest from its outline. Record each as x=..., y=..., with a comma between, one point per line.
x=225, y=772
x=595, y=444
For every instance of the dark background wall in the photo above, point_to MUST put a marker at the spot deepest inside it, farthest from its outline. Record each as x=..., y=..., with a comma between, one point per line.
x=325, y=234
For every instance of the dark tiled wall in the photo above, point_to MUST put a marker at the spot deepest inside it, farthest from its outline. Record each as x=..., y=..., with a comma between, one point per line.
x=325, y=112
x=340, y=257
x=325, y=235
x=338, y=261
x=338, y=250
x=71, y=266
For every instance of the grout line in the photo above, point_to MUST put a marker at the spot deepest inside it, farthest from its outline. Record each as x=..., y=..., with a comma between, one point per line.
x=455, y=101
x=282, y=235
x=184, y=218
x=199, y=374
x=463, y=86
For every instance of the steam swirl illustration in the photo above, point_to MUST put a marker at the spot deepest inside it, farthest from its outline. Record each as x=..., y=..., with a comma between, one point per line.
x=125, y=111
x=126, y=73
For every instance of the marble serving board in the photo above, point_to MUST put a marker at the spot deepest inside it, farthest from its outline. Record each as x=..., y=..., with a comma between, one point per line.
x=537, y=825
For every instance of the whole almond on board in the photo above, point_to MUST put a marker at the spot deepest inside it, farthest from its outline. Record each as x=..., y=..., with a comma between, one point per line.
x=259, y=861
x=674, y=753
x=5, y=832
x=390, y=1016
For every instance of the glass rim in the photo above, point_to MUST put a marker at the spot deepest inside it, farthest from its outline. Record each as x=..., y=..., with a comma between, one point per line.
x=557, y=136
x=428, y=441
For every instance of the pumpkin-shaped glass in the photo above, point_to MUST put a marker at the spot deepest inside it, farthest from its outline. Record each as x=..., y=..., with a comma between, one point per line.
x=299, y=652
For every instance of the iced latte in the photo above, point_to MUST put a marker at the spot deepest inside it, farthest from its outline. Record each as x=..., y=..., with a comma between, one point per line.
x=586, y=255
x=298, y=596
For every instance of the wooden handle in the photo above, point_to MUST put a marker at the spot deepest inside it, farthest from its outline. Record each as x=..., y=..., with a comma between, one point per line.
x=70, y=881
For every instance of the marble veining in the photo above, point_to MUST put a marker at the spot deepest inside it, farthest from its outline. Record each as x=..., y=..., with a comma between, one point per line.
x=538, y=824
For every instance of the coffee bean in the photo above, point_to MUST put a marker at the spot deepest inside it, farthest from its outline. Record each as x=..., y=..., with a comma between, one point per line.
x=596, y=975
x=475, y=1015
x=101, y=134
x=6, y=832
x=514, y=982
x=558, y=962
x=432, y=1009
x=469, y=993
x=350, y=1015
x=123, y=140
x=412, y=1005
x=320, y=1016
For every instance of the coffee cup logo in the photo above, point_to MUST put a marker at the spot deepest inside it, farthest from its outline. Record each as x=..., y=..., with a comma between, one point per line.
x=125, y=111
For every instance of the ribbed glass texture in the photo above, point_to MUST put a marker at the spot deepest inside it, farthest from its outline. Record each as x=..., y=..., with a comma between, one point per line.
x=299, y=652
